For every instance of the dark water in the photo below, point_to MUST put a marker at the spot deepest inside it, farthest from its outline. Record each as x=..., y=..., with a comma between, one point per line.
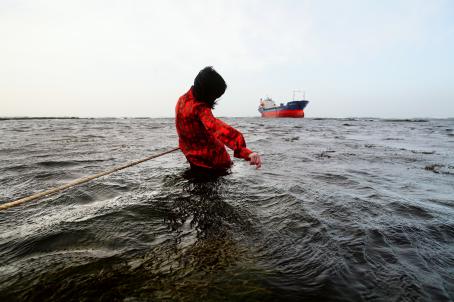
x=347, y=210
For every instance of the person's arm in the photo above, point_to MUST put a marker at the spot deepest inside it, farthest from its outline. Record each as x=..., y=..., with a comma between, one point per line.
x=225, y=133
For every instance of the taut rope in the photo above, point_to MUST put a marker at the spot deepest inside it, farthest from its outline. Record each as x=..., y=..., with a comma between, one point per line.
x=78, y=181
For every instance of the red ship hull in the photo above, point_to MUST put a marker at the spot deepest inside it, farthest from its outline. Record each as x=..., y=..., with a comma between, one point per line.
x=283, y=113
x=291, y=109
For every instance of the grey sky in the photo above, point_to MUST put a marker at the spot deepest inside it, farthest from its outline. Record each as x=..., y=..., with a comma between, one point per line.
x=135, y=58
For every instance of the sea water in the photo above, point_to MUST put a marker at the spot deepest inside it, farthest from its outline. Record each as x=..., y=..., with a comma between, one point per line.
x=342, y=209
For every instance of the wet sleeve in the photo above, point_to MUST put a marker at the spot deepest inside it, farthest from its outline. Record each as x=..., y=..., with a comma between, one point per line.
x=228, y=135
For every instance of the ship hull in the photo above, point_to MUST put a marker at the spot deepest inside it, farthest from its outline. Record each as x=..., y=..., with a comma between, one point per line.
x=283, y=113
x=293, y=109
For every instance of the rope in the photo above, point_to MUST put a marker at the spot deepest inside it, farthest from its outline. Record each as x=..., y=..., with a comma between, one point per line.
x=78, y=182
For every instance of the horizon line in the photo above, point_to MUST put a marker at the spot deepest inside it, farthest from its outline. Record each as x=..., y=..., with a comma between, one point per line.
x=169, y=117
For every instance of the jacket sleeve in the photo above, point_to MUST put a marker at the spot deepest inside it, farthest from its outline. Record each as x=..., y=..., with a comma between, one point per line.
x=225, y=133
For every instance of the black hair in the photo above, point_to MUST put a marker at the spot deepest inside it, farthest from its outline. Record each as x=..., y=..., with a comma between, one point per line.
x=208, y=86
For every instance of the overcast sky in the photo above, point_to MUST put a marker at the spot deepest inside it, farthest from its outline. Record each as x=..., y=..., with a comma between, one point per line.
x=135, y=58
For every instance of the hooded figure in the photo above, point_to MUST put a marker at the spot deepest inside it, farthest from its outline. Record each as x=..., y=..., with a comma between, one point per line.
x=202, y=137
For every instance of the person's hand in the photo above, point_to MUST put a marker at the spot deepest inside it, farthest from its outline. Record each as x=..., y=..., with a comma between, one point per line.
x=255, y=159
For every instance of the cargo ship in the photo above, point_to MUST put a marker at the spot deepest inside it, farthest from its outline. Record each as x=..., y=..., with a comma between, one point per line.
x=294, y=108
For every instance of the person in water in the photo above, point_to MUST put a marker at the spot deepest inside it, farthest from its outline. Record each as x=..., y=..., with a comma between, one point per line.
x=202, y=137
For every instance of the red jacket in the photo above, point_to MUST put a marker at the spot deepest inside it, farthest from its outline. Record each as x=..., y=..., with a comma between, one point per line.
x=202, y=136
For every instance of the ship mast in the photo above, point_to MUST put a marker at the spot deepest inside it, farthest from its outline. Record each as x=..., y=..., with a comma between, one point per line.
x=299, y=90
